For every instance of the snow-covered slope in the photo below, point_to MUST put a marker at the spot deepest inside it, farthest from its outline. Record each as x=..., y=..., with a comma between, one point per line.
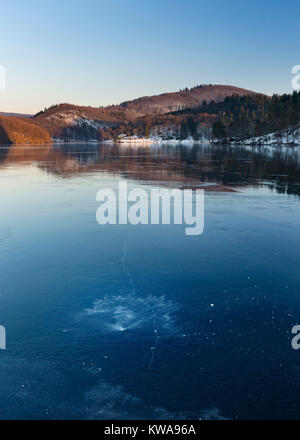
x=287, y=136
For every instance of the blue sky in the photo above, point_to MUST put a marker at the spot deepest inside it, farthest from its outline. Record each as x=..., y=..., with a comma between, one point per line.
x=99, y=52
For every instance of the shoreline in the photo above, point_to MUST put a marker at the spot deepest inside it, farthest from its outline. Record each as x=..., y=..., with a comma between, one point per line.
x=142, y=142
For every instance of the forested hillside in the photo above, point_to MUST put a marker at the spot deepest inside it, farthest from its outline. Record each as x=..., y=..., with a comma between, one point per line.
x=17, y=131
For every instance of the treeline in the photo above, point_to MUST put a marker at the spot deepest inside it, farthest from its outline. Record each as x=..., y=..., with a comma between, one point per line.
x=237, y=117
x=242, y=117
x=198, y=86
x=165, y=126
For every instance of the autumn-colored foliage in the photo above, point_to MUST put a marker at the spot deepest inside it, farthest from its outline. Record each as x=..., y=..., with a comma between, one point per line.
x=17, y=131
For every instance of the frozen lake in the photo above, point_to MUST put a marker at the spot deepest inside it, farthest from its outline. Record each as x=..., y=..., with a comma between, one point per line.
x=126, y=322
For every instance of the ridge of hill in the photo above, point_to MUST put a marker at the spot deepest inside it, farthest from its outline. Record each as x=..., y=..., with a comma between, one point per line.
x=187, y=98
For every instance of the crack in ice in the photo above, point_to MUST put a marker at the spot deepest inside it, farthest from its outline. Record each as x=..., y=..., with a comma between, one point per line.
x=145, y=303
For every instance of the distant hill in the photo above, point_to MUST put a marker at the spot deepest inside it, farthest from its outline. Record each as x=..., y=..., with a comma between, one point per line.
x=71, y=122
x=17, y=115
x=17, y=131
x=187, y=98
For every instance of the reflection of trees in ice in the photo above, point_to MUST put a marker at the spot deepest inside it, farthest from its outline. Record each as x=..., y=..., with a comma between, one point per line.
x=121, y=313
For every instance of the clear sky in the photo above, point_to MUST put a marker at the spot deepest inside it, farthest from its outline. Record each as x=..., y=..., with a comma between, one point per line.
x=99, y=52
